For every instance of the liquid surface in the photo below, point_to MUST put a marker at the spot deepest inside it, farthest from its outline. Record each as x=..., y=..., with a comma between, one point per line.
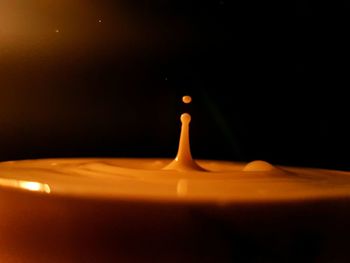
x=146, y=179
x=182, y=179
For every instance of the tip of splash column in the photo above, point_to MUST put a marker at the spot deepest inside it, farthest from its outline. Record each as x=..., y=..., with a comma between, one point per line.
x=185, y=118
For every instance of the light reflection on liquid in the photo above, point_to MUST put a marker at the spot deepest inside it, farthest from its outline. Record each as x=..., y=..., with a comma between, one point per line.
x=182, y=187
x=26, y=185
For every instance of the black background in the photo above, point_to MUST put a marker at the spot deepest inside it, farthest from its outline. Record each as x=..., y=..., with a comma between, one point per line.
x=264, y=85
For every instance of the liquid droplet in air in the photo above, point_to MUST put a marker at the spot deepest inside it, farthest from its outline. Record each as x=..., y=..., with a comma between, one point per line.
x=184, y=160
x=186, y=99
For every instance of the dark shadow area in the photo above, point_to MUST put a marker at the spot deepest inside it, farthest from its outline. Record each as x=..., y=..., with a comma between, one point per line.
x=113, y=88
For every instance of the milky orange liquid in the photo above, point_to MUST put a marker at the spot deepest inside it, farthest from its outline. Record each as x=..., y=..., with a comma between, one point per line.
x=182, y=179
x=162, y=210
